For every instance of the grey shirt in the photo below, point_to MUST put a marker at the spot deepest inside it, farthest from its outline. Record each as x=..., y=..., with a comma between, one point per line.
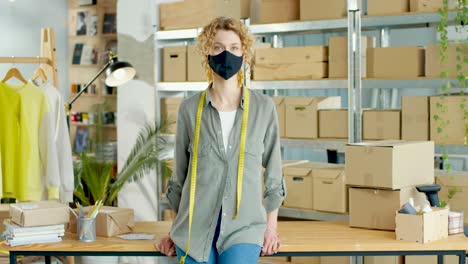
x=217, y=176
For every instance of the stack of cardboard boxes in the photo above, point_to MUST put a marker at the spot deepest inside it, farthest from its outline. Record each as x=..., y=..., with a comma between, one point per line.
x=181, y=64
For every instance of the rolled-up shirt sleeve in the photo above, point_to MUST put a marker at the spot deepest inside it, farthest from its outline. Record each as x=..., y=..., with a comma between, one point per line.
x=181, y=159
x=275, y=189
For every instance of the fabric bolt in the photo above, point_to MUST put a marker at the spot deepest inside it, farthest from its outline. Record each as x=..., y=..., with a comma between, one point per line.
x=227, y=122
x=38, y=155
x=61, y=142
x=10, y=118
x=217, y=176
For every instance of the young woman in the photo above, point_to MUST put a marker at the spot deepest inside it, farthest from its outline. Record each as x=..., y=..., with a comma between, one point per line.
x=227, y=208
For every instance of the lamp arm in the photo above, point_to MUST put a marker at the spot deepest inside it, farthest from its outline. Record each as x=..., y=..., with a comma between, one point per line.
x=69, y=104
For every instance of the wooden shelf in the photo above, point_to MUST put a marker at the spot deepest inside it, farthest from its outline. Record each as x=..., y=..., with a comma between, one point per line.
x=95, y=96
x=83, y=124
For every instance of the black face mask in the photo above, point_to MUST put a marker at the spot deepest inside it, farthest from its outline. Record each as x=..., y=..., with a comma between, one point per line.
x=225, y=64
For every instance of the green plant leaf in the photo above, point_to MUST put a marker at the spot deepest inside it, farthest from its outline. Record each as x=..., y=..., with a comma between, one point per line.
x=436, y=117
x=439, y=130
x=443, y=204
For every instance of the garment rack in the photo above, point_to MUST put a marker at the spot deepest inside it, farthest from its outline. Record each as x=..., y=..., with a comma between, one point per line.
x=47, y=59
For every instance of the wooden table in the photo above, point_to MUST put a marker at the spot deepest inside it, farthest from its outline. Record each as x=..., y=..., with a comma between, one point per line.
x=298, y=239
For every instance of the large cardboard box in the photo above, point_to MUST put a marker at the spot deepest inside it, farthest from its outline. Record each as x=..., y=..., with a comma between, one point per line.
x=306, y=54
x=434, y=67
x=384, y=260
x=335, y=260
x=281, y=111
x=39, y=213
x=329, y=189
x=375, y=208
x=110, y=221
x=292, y=71
x=456, y=180
x=391, y=164
x=273, y=260
x=196, y=13
x=430, y=260
x=426, y=5
x=175, y=64
x=245, y=8
x=273, y=11
x=395, y=62
x=333, y=123
x=338, y=56
x=320, y=10
x=169, y=112
x=302, y=116
x=415, y=118
x=381, y=124
x=385, y=7
x=424, y=228
x=4, y=214
x=305, y=260
x=456, y=128
x=195, y=69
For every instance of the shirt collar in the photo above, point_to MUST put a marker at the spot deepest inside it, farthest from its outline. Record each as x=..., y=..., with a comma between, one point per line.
x=208, y=98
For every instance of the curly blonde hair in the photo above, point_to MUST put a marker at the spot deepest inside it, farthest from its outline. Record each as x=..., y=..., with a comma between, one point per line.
x=206, y=38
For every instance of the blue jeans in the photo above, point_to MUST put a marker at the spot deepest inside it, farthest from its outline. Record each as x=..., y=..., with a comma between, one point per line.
x=238, y=253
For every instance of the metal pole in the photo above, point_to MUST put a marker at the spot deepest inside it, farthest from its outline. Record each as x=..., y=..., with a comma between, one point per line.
x=277, y=43
x=354, y=73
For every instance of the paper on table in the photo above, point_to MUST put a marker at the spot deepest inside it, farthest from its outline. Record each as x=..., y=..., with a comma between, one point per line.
x=137, y=237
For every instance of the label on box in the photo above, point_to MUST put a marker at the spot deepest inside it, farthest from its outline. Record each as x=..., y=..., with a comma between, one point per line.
x=29, y=206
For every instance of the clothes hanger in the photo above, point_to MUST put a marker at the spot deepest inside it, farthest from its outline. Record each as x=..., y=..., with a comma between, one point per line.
x=39, y=73
x=14, y=72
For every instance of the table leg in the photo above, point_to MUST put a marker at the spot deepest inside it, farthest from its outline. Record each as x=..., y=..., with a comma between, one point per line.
x=440, y=259
x=47, y=260
x=462, y=258
x=12, y=258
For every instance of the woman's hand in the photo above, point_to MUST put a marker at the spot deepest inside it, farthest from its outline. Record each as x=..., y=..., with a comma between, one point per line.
x=167, y=246
x=271, y=242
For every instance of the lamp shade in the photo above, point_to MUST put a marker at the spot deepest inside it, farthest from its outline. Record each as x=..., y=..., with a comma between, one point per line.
x=119, y=73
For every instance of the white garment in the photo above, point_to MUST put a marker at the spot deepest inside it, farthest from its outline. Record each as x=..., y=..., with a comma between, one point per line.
x=227, y=122
x=61, y=142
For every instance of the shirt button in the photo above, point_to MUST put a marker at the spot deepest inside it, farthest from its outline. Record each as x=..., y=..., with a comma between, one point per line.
x=230, y=147
x=224, y=214
x=225, y=197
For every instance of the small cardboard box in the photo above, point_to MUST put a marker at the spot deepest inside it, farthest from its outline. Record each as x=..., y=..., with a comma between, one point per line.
x=305, y=260
x=196, y=13
x=381, y=124
x=195, y=69
x=273, y=260
x=424, y=228
x=335, y=260
x=433, y=65
x=457, y=180
x=329, y=189
x=384, y=260
x=395, y=62
x=175, y=64
x=320, y=10
x=169, y=112
x=426, y=5
x=333, y=123
x=385, y=7
x=273, y=11
x=456, y=127
x=306, y=54
x=302, y=116
x=281, y=110
x=375, y=208
x=391, y=164
x=111, y=221
x=415, y=118
x=4, y=214
x=338, y=55
x=292, y=71
x=39, y=213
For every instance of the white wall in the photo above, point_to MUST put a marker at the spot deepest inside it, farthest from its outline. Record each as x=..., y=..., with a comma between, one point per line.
x=20, y=24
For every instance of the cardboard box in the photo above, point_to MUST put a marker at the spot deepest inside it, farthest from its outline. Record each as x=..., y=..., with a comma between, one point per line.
x=111, y=221
x=424, y=228
x=338, y=56
x=4, y=214
x=426, y=5
x=457, y=127
x=320, y=10
x=195, y=69
x=293, y=71
x=434, y=67
x=281, y=110
x=329, y=189
x=385, y=7
x=333, y=123
x=302, y=116
x=169, y=112
x=395, y=62
x=457, y=180
x=415, y=118
x=384, y=260
x=273, y=11
x=290, y=55
x=375, y=208
x=381, y=124
x=305, y=260
x=273, y=260
x=335, y=260
x=175, y=64
x=430, y=260
x=196, y=13
x=245, y=8
x=39, y=213
x=390, y=164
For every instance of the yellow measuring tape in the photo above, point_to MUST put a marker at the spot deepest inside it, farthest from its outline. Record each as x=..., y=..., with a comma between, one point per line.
x=193, y=172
